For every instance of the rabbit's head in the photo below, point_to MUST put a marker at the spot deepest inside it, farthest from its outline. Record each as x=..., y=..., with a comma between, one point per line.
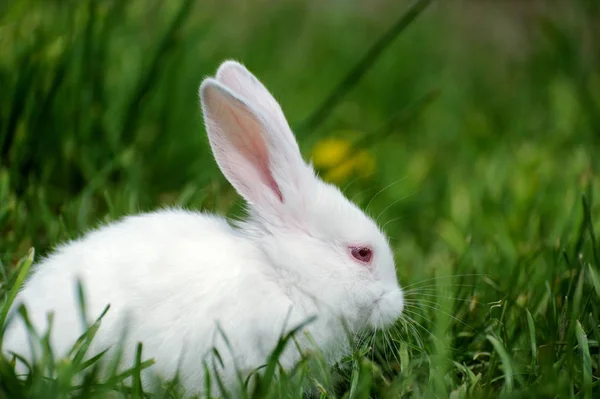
x=319, y=242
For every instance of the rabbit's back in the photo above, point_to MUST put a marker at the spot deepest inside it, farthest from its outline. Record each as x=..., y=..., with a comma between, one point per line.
x=168, y=276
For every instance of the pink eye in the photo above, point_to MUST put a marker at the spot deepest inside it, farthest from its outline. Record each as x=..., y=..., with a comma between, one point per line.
x=362, y=254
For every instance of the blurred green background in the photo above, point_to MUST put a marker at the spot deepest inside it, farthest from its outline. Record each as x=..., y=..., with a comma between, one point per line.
x=471, y=137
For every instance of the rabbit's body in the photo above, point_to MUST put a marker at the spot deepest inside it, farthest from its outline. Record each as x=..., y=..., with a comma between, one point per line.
x=169, y=265
x=171, y=277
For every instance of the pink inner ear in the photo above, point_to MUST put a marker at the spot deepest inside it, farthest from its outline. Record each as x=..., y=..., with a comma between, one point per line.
x=251, y=144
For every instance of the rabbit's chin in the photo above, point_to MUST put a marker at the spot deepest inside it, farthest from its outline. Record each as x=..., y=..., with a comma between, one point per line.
x=387, y=309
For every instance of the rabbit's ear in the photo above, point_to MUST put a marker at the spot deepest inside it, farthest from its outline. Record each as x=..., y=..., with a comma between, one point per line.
x=250, y=148
x=239, y=80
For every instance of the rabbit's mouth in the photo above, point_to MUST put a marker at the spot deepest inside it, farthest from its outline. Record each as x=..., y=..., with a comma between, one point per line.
x=387, y=309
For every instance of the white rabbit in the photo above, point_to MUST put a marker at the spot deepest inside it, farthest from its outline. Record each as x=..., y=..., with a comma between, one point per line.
x=172, y=275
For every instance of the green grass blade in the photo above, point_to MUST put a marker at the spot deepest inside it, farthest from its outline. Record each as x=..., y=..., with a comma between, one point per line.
x=138, y=391
x=590, y=227
x=22, y=272
x=506, y=362
x=532, y=335
x=594, y=278
x=584, y=348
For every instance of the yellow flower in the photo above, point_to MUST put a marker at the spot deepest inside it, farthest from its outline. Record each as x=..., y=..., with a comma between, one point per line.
x=335, y=157
x=329, y=152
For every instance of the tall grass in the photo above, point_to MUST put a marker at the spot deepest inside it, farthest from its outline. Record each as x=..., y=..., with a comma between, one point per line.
x=483, y=122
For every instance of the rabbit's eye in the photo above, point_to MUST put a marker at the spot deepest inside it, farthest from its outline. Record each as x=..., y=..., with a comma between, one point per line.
x=362, y=254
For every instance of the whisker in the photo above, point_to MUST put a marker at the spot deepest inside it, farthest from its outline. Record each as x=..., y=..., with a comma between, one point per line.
x=385, y=346
x=447, y=314
x=415, y=303
x=348, y=185
x=436, y=288
x=418, y=336
x=394, y=203
x=372, y=344
x=394, y=349
x=412, y=312
x=414, y=324
x=382, y=190
x=415, y=333
x=442, y=297
x=388, y=347
x=429, y=333
x=419, y=301
x=446, y=277
x=392, y=220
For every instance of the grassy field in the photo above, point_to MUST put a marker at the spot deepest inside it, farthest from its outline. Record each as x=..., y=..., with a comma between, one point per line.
x=473, y=137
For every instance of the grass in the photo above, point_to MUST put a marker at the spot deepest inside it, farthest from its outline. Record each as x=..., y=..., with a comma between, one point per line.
x=485, y=171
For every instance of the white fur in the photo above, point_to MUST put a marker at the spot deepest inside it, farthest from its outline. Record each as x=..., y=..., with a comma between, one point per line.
x=172, y=275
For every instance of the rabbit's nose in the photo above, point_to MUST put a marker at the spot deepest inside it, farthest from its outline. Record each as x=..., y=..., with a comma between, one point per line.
x=389, y=307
